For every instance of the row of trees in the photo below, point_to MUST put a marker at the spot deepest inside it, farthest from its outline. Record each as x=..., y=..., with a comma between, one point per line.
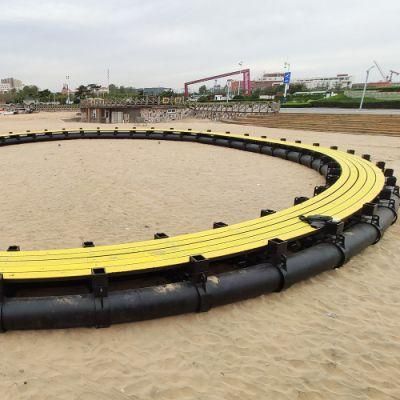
x=31, y=92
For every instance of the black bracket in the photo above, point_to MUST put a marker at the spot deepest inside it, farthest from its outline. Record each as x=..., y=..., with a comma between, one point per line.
x=300, y=199
x=385, y=194
x=332, y=231
x=277, y=250
x=368, y=215
x=381, y=165
x=319, y=189
x=386, y=201
x=266, y=211
x=219, y=224
x=331, y=179
x=198, y=268
x=391, y=181
x=160, y=235
x=99, y=281
x=388, y=172
x=13, y=248
x=339, y=241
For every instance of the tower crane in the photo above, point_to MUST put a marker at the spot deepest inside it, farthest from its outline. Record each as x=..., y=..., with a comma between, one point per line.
x=393, y=73
x=385, y=78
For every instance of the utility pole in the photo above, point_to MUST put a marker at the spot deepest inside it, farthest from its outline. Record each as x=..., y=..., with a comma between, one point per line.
x=68, y=98
x=240, y=64
x=287, y=67
x=228, y=83
x=365, y=86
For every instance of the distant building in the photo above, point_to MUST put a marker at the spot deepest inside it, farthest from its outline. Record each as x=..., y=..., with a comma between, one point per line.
x=275, y=78
x=155, y=91
x=377, y=85
x=340, y=81
x=267, y=81
x=5, y=87
x=8, y=84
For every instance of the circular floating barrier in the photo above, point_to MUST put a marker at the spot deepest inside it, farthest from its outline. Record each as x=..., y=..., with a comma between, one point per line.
x=99, y=286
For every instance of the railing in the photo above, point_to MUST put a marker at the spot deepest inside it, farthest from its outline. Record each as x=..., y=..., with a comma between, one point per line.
x=146, y=100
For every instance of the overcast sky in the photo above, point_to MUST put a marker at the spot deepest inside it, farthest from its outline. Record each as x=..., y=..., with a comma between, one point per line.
x=164, y=43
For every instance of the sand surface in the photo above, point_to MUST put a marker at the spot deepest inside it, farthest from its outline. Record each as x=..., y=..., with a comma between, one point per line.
x=335, y=336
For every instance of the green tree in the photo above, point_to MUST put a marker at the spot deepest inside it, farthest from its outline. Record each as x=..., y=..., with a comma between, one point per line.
x=297, y=87
x=203, y=90
x=81, y=92
x=167, y=93
x=44, y=95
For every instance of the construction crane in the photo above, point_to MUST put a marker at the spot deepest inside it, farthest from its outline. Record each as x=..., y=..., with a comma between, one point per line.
x=393, y=73
x=385, y=78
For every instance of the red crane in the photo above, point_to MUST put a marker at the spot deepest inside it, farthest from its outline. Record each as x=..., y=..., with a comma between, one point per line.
x=246, y=84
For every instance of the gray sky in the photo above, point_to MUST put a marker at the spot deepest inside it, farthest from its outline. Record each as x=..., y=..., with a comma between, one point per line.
x=159, y=42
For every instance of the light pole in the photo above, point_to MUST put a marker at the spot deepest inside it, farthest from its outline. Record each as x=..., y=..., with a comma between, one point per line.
x=68, y=98
x=286, y=66
x=228, y=83
x=240, y=65
x=365, y=86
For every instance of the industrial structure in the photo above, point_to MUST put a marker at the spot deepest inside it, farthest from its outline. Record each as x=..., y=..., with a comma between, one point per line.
x=245, y=83
x=388, y=77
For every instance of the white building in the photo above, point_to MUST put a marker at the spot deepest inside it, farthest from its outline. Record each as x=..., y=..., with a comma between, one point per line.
x=8, y=84
x=5, y=87
x=340, y=81
x=276, y=78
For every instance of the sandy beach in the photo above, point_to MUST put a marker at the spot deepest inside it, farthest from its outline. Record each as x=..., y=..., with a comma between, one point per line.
x=335, y=336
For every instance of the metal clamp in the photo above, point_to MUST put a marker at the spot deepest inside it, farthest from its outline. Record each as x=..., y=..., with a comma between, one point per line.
x=277, y=251
x=198, y=268
x=99, y=281
x=331, y=229
x=368, y=216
